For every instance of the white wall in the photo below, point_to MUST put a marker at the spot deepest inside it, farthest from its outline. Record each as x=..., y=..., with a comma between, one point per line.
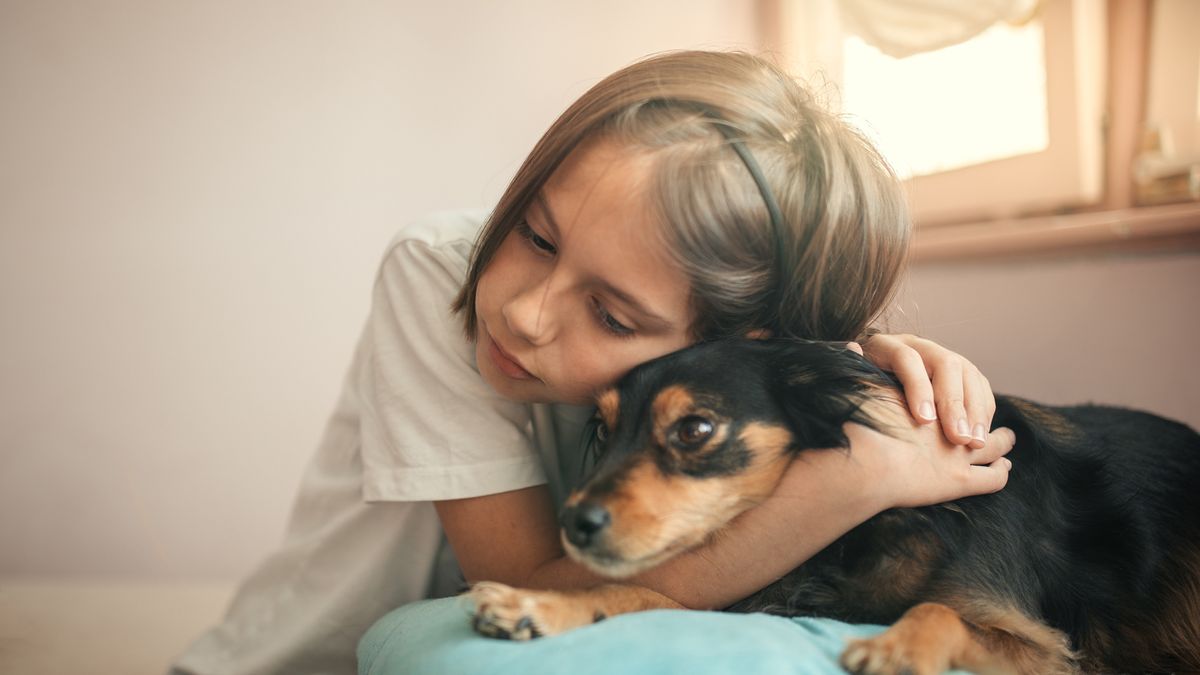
x=193, y=197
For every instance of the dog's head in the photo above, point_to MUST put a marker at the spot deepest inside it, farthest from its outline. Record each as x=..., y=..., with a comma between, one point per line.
x=688, y=441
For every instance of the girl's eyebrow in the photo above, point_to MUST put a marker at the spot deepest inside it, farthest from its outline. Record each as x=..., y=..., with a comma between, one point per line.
x=624, y=297
x=633, y=303
x=544, y=205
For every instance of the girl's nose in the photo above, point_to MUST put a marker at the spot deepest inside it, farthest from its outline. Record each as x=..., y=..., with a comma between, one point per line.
x=529, y=315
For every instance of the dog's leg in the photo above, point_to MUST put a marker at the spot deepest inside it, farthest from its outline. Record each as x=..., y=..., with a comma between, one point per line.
x=520, y=614
x=933, y=638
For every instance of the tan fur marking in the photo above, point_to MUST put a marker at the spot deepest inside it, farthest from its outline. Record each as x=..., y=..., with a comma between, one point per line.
x=932, y=638
x=769, y=443
x=766, y=439
x=925, y=641
x=1014, y=642
x=520, y=614
x=1180, y=622
x=655, y=515
x=669, y=405
x=609, y=403
x=898, y=579
x=673, y=402
x=1049, y=421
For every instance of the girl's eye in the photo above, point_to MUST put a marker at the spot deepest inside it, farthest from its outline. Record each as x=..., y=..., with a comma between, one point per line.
x=608, y=322
x=535, y=239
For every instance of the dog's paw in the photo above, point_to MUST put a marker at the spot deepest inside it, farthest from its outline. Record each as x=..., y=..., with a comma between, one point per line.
x=511, y=613
x=887, y=655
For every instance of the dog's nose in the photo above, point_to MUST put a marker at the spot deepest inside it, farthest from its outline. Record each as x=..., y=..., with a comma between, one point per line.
x=583, y=522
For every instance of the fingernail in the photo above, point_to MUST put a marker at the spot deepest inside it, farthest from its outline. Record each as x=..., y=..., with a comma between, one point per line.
x=963, y=429
x=927, y=411
x=979, y=433
x=1008, y=462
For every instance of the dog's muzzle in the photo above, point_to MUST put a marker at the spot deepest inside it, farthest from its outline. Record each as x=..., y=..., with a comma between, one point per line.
x=583, y=524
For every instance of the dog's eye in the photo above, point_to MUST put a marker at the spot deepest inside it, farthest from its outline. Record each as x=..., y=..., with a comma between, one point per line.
x=601, y=432
x=693, y=430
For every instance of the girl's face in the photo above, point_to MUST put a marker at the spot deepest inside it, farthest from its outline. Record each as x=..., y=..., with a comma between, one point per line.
x=581, y=291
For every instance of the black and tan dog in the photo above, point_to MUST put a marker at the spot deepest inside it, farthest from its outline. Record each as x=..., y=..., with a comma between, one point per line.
x=1088, y=560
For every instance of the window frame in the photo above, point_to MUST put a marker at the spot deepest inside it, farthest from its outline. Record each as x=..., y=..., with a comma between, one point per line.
x=1078, y=193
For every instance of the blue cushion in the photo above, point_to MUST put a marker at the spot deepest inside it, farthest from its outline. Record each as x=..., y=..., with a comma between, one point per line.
x=435, y=638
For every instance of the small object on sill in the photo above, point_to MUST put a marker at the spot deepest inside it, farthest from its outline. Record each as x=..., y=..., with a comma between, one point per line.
x=1180, y=185
x=1161, y=175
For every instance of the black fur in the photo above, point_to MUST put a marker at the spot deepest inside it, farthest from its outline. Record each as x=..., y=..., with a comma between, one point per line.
x=1097, y=527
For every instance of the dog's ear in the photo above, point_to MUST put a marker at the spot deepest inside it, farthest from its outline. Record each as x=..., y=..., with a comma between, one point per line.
x=821, y=386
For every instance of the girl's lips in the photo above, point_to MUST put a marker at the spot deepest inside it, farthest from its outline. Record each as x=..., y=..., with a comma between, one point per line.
x=505, y=363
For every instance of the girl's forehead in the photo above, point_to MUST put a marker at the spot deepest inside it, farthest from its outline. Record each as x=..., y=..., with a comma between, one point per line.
x=605, y=189
x=598, y=209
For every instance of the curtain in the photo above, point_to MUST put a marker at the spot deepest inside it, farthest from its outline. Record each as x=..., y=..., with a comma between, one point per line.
x=902, y=28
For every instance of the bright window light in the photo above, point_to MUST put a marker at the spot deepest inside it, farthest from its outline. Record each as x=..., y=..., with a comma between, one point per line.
x=981, y=100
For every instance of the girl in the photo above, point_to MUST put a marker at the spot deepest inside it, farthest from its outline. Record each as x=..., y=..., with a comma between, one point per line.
x=689, y=196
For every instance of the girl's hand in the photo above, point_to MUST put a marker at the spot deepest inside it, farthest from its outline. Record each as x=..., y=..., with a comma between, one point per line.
x=939, y=384
x=924, y=468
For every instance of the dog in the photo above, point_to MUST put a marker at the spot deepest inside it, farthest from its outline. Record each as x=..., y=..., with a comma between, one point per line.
x=1088, y=560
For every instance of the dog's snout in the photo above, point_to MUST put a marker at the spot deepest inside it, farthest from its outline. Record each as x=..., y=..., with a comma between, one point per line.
x=583, y=522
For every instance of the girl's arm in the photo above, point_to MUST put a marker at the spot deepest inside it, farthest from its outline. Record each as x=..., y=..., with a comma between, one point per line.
x=513, y=537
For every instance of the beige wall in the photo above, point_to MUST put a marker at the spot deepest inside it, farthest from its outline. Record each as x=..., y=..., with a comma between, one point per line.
x=1112, y=329
x=193, y=198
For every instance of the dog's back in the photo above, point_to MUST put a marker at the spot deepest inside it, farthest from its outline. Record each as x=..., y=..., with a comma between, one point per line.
x=1097, y=534
x=1108, y=506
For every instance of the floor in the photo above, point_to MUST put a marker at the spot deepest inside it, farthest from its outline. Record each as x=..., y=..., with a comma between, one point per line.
x=101, y=627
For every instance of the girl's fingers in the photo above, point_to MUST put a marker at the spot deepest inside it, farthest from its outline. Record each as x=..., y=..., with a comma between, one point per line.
x=938, y=384
x=979, y=403
x=990, y=477
x=949, y=396
x=908, y=367
x=998, y=444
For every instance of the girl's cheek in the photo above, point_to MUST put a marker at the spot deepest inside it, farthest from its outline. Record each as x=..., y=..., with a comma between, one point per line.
x=601, y=369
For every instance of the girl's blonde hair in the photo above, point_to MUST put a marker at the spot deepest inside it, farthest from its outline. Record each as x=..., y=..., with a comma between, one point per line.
x=835, y=263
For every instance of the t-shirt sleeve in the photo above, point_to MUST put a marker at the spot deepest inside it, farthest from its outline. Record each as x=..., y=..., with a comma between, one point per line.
x=431, y=428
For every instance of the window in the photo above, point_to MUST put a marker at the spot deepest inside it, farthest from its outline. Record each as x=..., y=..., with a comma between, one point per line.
x=1169, y=166
x=998, y=83
x=1006, y=123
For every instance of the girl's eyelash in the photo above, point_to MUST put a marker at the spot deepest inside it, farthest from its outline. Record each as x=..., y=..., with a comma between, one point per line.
x=535, y=239
x=609, y=323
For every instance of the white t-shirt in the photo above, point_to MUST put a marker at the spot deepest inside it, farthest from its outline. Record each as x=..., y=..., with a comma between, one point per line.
x=415, y=423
